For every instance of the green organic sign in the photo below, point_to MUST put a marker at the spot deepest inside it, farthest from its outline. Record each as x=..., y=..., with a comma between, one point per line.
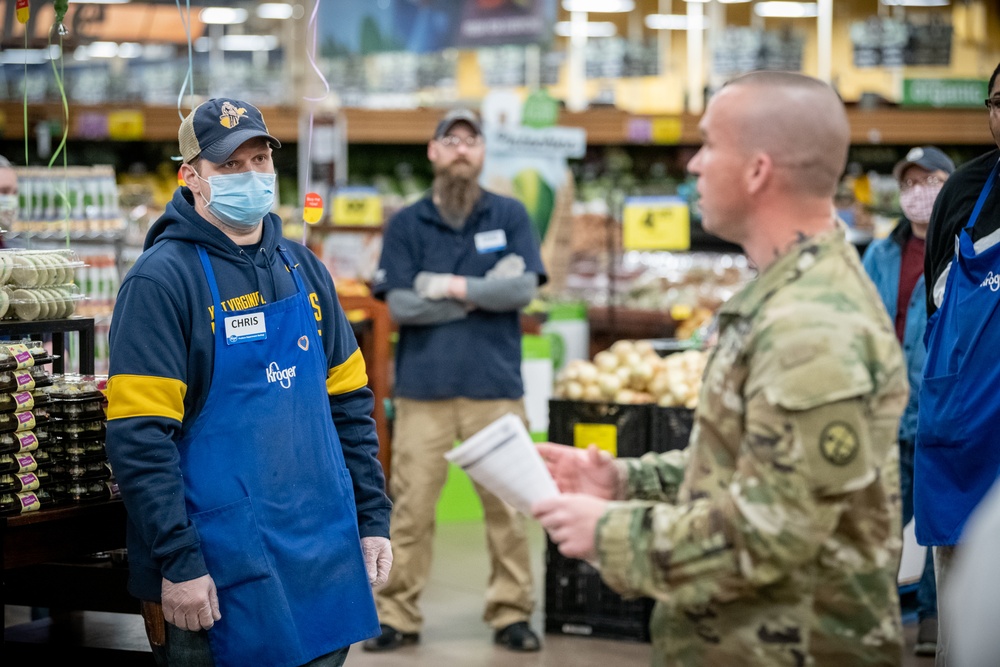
x=940, y=93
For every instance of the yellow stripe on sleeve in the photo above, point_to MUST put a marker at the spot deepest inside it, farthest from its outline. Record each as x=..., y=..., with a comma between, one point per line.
x=348, y=376
x=145, y=396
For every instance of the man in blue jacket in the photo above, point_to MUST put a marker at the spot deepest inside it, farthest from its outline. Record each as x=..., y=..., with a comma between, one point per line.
x=896, y=266
x=239, y=424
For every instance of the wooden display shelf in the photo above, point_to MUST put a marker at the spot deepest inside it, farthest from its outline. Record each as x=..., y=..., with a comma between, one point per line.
x=604, y=125
x=376, y=350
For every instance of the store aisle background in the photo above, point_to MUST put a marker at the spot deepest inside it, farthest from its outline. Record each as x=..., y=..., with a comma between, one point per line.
x=454, y=634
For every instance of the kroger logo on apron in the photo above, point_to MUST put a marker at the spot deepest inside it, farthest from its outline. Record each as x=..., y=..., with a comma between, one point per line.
x=992, y=281
x=281, y=375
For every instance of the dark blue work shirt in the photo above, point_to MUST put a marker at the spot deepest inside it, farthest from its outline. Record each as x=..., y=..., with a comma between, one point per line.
x=476, y=357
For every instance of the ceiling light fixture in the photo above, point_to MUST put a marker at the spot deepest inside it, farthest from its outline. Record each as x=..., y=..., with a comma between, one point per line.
x=102, y=49
x=916, y=3
x=599, y=6
x=223, y=15
x=593, y=29
x=29, y=56
x=238, y=43
x=275, y=10
x=792, y=10
x=674, y=22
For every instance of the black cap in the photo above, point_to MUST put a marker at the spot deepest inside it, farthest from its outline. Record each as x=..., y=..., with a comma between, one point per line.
x=928, y=157
x=457, y=116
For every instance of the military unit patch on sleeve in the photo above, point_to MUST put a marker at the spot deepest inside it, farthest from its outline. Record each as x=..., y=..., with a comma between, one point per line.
x=838, y=443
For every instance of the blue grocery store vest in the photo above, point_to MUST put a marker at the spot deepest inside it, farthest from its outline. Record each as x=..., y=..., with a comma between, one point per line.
x=957, y=455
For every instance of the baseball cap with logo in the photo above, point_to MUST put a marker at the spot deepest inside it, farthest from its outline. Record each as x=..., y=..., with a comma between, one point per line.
x=928, y=157
x=218, y=127
x=457, y=116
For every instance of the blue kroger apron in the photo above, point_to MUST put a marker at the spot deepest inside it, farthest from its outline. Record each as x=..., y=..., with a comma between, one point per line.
x=267, y=488
x=957, y=456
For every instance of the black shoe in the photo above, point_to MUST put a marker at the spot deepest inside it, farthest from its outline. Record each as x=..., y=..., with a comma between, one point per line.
x=517, y=637
x=926, y=643
x=390, y=639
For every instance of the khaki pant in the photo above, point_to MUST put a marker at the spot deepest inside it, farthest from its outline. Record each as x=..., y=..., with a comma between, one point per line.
x=423, y=432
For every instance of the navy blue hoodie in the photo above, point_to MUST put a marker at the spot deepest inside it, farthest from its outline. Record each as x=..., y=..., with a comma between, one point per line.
x=162, y=351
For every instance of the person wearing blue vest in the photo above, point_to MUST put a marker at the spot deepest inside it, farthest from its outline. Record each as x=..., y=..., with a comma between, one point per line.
x=239, y=424
x=896, y=266
x=957, y=454
x=456, y=269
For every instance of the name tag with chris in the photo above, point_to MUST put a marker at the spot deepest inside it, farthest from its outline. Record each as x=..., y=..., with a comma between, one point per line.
x=491, y=241
x=245, y=328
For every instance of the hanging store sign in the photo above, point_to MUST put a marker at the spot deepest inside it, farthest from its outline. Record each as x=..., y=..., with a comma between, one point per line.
x=656, y=223
x=883, y=41
x=567, y=142
x=941, y=93
x=363, y=27
x=741, y=50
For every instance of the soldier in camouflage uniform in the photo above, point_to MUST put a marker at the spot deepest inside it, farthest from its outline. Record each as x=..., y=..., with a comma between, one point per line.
x=774, y=538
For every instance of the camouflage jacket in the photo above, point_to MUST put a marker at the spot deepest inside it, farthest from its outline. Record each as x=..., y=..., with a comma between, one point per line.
x=780, y=537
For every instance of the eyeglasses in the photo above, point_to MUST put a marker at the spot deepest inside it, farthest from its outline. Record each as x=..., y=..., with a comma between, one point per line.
x=930, y=181
x=992, y=103
x=452, y=141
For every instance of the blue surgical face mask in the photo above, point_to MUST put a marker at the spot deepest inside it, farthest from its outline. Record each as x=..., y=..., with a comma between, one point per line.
x=240, y=200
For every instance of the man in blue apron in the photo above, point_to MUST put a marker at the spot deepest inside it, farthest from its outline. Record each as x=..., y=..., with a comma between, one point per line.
x=957, y=456
x=239, y=425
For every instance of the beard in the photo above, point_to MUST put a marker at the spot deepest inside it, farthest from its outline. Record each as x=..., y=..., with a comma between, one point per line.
x=456, y=190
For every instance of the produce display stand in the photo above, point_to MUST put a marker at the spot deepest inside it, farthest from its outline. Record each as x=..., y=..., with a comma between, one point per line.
x=42, y=551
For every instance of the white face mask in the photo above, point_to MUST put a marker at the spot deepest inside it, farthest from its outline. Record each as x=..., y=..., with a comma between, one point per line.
x=9, y=207
x=918, y=202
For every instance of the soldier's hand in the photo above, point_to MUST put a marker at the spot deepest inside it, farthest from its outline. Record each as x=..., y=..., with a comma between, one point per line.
x=571, y=520
x=191, y=605
x=591, y=471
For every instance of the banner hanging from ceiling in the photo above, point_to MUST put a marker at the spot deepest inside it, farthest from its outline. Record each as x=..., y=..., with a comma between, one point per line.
x=365, y=27
x=883, y=41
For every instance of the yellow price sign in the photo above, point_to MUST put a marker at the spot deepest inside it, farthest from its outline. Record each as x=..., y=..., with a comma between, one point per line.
x=666, y=130
x=357, y=206
x=126, y=125
x=605, y=436
x=656, y=223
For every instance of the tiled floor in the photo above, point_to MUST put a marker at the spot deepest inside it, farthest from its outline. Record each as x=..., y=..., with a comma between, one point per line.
x=454, y=635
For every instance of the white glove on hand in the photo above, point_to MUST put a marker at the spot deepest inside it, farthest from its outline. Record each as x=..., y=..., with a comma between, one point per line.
x=378, y=559
x=434, y=286
x=510, y=266
x=191, y=605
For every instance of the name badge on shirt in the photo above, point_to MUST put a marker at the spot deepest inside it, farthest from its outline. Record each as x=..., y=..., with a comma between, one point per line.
x=491, y=241
x=245, y=328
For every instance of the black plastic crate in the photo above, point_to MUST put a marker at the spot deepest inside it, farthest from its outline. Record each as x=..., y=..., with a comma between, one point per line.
x=633, y=423
x=671, y=428
x=578, y=602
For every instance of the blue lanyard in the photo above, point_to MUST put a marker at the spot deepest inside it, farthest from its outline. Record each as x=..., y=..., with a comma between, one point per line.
x=983, y=194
